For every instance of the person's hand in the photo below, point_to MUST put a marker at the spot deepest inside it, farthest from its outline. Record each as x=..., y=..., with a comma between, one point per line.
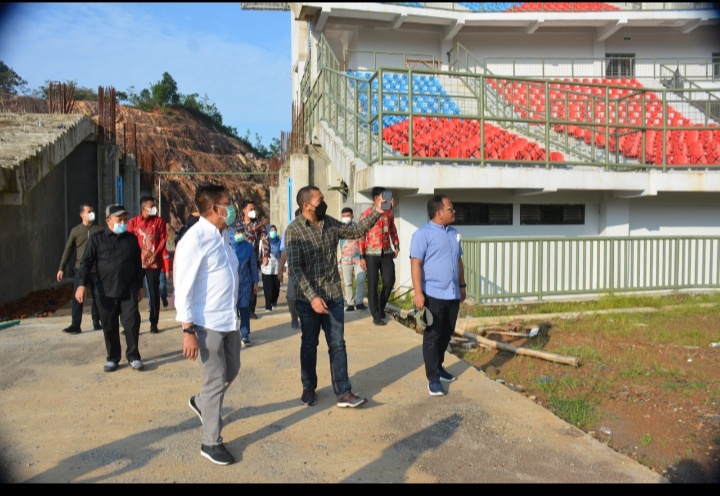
x=463, y=294
x=419, y=301
x=280, y=277
x=255, y=288
x=378, y=204
x=190, y=345
x=396, y=253
x=80, y=294
x=59, y=275
x=363, y=264
x=140, y=294
x=319, y=305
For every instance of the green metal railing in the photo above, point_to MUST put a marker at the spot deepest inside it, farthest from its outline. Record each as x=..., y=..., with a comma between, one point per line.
x=515, y=268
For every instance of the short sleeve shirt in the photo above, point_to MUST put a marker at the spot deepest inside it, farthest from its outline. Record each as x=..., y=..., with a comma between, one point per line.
x=439, y=250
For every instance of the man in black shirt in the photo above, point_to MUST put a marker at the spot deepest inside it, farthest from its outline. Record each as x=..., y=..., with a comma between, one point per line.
x=118, y=288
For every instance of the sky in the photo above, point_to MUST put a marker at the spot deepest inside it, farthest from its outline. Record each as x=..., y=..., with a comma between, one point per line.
x=239, y=58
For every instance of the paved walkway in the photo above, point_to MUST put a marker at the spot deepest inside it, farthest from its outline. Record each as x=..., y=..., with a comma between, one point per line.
x=63, y=420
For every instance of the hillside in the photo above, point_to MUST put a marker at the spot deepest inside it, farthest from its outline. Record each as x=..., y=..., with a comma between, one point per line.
x=176, y=140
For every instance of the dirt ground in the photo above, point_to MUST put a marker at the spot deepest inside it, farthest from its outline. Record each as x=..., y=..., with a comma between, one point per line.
x=683, y=422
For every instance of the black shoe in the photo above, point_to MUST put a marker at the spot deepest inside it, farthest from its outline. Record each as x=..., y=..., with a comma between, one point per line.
x=379, y=322
x=446, y=376
x=194, y=408
x=154, y=329
x=246, y=342
x=72, y=330
x=217, y=454
x=97, y=326
x=350, y=308
x=253, y=315
x=361, y=307
x=164, y=300
x=308, y=397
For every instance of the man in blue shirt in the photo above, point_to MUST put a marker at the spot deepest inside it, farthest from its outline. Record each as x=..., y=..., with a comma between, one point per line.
x=438, y=278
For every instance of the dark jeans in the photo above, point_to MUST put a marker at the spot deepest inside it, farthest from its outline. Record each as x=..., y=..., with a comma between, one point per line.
x=152, y=277
x=127, y=310
x=271, y=289
x=333, y=323
x=244, y=313
x=436, y=337
x=77, y=308
x=385, y=264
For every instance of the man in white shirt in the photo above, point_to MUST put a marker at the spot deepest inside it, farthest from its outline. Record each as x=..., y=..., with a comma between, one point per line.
x=206, y=290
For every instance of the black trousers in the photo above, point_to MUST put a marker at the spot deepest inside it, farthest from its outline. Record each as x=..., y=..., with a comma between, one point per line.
x=153, y=283
x=436, y=337
x=77, y=307
x=126, y=309
x=271, y=289
x=385, y=265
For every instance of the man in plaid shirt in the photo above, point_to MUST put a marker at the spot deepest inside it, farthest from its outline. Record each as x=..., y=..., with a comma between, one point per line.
x=311, y=242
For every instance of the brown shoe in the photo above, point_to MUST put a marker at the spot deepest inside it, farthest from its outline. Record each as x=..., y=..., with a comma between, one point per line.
x=349, y=400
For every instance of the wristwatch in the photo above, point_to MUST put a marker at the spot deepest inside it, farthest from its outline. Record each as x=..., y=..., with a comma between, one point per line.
x=189, y=330
x=463, y=286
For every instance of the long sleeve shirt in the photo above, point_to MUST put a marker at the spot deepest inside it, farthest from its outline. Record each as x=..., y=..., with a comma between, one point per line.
x=205, y=275
x=77, y=242
x=378, y=238
x=117, y=261
x=151, y=236
x=312, y=254
x=350, y=251
x=247, y=271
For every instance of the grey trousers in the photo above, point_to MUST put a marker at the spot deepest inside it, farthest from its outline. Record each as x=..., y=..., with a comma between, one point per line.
x=347, y=273
x=220, y=364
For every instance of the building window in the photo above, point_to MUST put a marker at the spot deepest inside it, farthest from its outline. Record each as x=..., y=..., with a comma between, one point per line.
x=716, y=66
x=483, y=214
x=619, y=65
x=552, y=215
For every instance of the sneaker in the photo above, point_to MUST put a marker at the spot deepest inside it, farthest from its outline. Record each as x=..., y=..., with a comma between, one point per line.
x=217, y=454
x=194, y=408
x=164, y=300
x=308, y=397
x=154, y=329
x=350, y=400
x=72, y=330
x=436, y=389
x=246, y=342
x=110, y=366
x=350, y=308
x=295, y=324
x=379, y=322
x=361, y=307
x=97, y=326
x=268, y=310
x=137, y=365
x=446, y=376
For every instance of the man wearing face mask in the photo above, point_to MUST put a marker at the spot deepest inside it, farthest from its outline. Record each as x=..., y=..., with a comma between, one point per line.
x=254, y=231
x=351, y=262
x=77, y=242
x=311, y=242
x=206, y=295
x=151, y=233
x=116, y=257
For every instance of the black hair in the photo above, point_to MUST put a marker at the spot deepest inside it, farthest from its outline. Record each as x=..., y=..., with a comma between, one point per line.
x=435, y=204
x=83, y=205
x=377, y=191
x=305, y=194
x=347, y=210
x=208, y=195
x=146, y=199
x=245, y=203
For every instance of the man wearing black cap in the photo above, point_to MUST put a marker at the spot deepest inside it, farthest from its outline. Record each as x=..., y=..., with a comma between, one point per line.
x=118, y=288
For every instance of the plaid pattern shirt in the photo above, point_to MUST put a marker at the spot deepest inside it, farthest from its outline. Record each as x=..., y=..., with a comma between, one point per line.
x=312, y=254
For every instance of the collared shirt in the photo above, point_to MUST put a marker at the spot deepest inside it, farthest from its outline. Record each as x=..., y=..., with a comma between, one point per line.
x=312, y=254
x=439, y=250
x=77, y=241
x=350, y=251
x=206, y=278
x=151, y=236
x=378, y=238
x=117, y=262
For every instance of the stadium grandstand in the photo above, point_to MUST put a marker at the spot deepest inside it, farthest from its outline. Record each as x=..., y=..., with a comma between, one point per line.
x=578, y=141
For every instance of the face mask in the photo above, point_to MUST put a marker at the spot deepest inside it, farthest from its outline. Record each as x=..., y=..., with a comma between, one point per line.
x=346, y=220
x=91, y=216
x=119, y=228
x=152, y=211
x=252, y=214
x=230, y=213
x=320, y=210
x=273, y=234
x=239, y=237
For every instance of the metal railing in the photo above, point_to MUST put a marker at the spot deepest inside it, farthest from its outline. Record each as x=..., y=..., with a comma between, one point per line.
x=521, y=268
x=500, y=8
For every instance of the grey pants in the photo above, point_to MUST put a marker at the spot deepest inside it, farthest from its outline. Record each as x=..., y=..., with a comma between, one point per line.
x=347, y=273
x=220, y=364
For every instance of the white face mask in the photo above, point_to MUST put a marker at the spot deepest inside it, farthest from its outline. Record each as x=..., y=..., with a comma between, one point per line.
x=252, y=214
x=346, y=220
x=152, y=211
x=91, y=216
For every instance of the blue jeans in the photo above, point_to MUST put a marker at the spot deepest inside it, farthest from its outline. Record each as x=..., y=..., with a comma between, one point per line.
x=244, y=322
x=333, y=323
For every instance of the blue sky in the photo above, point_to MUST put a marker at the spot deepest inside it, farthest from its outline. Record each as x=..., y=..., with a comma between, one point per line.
x=240, y=58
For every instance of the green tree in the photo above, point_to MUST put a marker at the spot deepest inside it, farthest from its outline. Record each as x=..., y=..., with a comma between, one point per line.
x=10, y=82
x=164, y=92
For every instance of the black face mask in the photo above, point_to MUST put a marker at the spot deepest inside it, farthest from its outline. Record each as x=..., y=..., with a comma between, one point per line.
x=320, y=210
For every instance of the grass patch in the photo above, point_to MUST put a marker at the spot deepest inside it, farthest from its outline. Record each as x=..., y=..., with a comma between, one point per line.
x=646, y=439
x=579, y=412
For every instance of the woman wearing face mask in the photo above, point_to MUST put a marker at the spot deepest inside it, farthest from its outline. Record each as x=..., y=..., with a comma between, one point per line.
x=248, y=280
x=270, y=257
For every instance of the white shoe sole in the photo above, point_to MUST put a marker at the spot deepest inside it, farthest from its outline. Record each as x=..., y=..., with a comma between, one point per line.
x=435, y=394
x=216, y=462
